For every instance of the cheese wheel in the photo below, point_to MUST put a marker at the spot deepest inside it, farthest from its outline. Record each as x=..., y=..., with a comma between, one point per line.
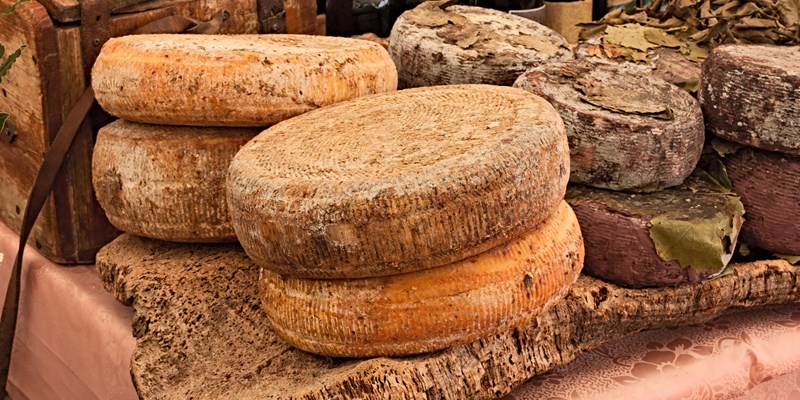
x=769, y=184
x=751, y=95
x=166, y=182
x=627, y=131
x=675, y=236
x=239, y=80
x=432, y=309
x=438, y=45
x=399, y=182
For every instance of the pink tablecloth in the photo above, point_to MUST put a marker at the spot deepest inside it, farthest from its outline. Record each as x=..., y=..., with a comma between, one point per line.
x=73, y=339
x=75, y=342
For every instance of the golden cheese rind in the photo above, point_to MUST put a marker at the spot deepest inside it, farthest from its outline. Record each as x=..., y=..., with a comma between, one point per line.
x=235, y=80
x=399, y=182
x=432, y=309
x=166, y=182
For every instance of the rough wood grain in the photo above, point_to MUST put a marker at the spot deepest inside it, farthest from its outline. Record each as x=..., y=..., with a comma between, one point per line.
x=619, y=248
x=433, y=309
x=200, y=332
x=627, y=131
x=398, y=182
x=166, y=182
x=234, y=80
x=751, y=95
x=438, y=45
x=769, y=185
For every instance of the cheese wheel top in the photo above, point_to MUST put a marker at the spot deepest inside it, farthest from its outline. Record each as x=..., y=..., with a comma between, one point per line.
x=237, y=80
x=398, y=182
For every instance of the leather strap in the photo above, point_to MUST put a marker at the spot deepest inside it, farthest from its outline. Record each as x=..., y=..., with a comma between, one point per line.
x=95, y=31
x=39, y=193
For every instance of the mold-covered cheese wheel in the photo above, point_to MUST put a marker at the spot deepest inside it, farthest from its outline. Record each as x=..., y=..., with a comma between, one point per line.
x=751, y=95
x=432, y=309
x=238, y=80
x=166, y=182
x=438, y=45
x=769, y=184
x=399, y=182
x=627, y=130
x=665, y=238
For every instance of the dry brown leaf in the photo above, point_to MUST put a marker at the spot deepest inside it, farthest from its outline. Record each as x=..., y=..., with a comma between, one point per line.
x=533, y=43
x=621, y=99
x=628, y=35
x=661, y=38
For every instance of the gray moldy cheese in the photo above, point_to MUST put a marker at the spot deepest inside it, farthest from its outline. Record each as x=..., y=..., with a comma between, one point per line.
x=751, y=95
x=166, y=182
x=433, y=309
x=626, y=131
x=437, y=44
x=398, y=182
x=665, y=238
x=769, y=185
x=236, y=80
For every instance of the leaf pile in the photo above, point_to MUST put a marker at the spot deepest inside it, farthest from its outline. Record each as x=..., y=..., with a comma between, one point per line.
x=694, y=27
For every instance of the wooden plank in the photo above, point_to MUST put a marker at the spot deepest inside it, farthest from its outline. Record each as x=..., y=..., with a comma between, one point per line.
x=201, y=334
x=35, y=116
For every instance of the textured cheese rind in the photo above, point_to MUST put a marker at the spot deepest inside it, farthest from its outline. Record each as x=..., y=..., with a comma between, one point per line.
x=433, y=309
x=237, y=80
x=398, y=182
x=166, y=182
x=751, y=95
x=769, y=186
x=619, y=150
x=427, y=56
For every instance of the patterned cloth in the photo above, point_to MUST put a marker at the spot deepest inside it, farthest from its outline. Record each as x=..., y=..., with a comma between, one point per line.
x=745, y=354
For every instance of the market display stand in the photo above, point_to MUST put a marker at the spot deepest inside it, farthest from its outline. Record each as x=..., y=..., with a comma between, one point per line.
x=75, y=341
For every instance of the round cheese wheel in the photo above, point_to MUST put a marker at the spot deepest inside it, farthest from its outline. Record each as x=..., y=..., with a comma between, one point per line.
x=432, y=309
x=239, y=80
x=666, y=238
x=751, y=95
x=399, y=182
x=627, y=131
x=166, y=182
x=769, y=184
x=438, y=45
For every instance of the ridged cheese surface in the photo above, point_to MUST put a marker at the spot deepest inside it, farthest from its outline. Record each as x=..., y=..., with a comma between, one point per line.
x=236, y=80
x=432, y=309
x=166, y=182
x=398, y=182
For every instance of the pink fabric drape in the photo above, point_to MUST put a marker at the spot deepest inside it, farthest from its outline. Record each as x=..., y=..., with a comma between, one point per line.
x=73, y=339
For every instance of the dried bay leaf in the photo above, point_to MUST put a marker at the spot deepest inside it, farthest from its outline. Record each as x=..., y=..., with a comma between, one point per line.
x=794, y=260
x=628, y=35
x=624, y=99
x=661, y=38
x=534, y=43
x=699, y=243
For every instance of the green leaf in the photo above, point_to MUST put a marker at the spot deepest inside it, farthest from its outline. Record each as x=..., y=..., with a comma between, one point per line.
x=697, y=243
x=715, y=175
x=13, y=7
x=3, y=118
x=6, y=65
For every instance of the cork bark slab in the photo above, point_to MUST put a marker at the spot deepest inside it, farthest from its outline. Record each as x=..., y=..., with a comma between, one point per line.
x=166, y=182
x=398, y=182
x=235, y=80
x=621, y=249
x=438, y=44
x=433, y=309
x=201, y=334
x=769, y=185
x=751, y=95
x=627, y=131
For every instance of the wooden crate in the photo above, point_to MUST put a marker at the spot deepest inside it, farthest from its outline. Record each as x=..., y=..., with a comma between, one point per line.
x=45, y=83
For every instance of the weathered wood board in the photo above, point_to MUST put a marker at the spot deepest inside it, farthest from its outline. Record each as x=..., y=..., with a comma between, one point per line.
x=201, y=333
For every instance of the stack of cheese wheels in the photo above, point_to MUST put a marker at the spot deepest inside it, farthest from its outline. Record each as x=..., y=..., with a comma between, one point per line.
x=408, y=222
x=187, y=103
x=751, y=96
x=437, y=44
x=633, y=137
